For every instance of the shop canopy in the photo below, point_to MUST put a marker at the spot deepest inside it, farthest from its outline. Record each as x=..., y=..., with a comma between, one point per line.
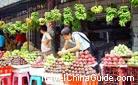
x=15, y=6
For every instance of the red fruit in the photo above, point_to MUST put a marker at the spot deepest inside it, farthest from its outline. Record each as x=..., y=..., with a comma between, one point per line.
x=86, y=56
x=105, y=62
x=104, y=59
x=81, y=53
x=82, y=56
x=86, y=52
x=109, y=59
x=109, y=63
x=107, y=55
x=111, y=55
x=80, y=60
x=115, y=63
x=84, y=60
x=93, y=59
x=90, y=63
x=115, y=59
x=90, y=60
x=74, y=65
x=121, y=60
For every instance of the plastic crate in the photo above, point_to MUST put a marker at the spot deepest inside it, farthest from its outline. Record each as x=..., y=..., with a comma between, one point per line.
x=133, y=71
x=114, y=72
x=5, y=69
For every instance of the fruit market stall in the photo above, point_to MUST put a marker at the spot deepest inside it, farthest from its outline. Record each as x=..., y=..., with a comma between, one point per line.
x=121, y=61
x=53, y=70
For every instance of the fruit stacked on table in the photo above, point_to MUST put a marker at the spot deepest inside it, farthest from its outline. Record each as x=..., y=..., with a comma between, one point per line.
x=1, y=53
x=3, y=63
x=86, y=57
x=134, y=60
x=5, y=67
x=57, y=67
x=49, y=60
x=121, y=50
x=82, y=65
x=68, y=58
x=112, y=60
x=28, y=56
x=18, y=61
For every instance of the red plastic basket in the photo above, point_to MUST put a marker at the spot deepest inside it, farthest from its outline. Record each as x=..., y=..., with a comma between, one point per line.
x=5, y=69
x=114, y=72
x=133, y=71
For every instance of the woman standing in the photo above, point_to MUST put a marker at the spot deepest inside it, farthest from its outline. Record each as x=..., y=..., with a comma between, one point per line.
x=46, y=40
x=45, y=44
x=2, y=40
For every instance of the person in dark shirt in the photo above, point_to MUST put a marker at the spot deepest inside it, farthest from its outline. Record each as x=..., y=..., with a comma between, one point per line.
x=54, y=32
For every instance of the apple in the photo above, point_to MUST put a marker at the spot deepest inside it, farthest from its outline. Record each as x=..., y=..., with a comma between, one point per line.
x=81, y=53
x=115, y=59
x=90, y=60
x=86, y=56
x=86, y=52
x=115, y=63
x=109, y=63
x=107, y=55
x=82, y=56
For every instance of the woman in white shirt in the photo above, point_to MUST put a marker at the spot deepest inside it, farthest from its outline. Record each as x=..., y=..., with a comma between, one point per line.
x=46, y=39
x=75, y=38
x=45, y=43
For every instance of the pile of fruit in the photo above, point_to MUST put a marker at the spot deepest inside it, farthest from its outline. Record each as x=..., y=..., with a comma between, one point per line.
x=18, y=61
x=53, y=15
x=112, y=60
x=57, y=67
x=134, y=3
x=80, y=11
x=121, y=50
x=134, y=60
x=49, y=60
x=80, y=69
x=3, y=63
x=68, y=58
x=68, y=16
x=111, y=13
x=42, y=21
x=97, y=9
x=82, y=65
x=124, y=15
x=28, y=56
x=1, y=53
x=86, y=58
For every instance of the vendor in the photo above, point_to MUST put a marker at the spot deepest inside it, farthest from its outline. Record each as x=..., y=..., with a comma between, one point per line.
x=20, y=39
x=2, y=40
x=74, y=37
x=45, y=44
x=51, y=31
x=80, y=41
x=46, y=39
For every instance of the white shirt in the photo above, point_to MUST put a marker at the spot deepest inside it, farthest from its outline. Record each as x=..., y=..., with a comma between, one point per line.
x=83, y=43
x=44, y=47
